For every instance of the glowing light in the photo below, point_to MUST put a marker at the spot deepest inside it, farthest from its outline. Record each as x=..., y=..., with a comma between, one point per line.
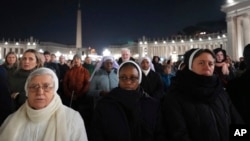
x=106, y=52
x=40, y=50
x=230, y=1
x=203, y=33
x=58, y=53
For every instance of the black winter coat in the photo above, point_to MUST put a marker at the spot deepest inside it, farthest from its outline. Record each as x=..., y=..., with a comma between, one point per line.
x=153, y=84
x=197, y=109
x=6, y=104
x=238, y=90
x=125, y=116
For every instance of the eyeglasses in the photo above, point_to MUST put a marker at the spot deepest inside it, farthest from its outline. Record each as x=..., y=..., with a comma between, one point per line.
x=36, y=87
x=132, y=79
x=108, y=63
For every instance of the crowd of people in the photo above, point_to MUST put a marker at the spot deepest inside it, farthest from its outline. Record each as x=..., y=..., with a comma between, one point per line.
x=197, y=98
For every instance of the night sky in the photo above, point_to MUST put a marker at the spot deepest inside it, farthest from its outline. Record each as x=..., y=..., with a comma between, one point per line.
x=104, y=22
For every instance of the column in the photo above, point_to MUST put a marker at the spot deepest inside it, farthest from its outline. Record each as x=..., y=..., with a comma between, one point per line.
x=246, y=26
x=231, y=36
x=240, y=37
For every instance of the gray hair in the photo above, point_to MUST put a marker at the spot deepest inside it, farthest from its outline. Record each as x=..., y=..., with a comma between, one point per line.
x=125, y=50
x=42, y=71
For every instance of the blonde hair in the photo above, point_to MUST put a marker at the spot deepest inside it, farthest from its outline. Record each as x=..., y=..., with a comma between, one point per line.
x=37, y=55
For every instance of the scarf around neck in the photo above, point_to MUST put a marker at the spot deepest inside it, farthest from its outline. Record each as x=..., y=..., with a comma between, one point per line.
x=198, y=87
x=54, y=114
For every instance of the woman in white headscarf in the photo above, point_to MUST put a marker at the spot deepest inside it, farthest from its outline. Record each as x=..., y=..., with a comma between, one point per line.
x=126, y=113
x=196, y=107
x=104, y=78
x=151, y=80
x=43, y=117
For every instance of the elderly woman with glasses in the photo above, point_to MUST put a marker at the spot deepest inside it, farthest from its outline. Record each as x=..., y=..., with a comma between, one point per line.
x=43, y=117
x=126, y=113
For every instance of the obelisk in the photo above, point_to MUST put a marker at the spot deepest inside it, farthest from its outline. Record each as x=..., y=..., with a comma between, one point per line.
x=79, y=30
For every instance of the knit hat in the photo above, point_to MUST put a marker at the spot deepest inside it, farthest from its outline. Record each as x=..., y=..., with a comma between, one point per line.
x=246, y=54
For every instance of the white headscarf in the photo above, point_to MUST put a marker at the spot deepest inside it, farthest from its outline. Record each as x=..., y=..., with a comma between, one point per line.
x=100, y=64
x=190, y=61
x=135, y=64
x=42, y=71
x=151, y=65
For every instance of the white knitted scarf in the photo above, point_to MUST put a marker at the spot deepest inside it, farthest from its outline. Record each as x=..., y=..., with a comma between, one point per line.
x=54, y=113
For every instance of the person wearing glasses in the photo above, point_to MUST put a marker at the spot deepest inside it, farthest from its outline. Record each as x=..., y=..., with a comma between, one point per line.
x=126, y=113
x=43, y=117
